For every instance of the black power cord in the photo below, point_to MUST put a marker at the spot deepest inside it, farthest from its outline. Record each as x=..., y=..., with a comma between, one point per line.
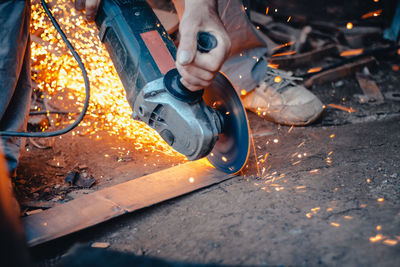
x=85, y=78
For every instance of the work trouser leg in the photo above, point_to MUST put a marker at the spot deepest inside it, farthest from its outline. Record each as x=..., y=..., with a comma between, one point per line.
x=13, y=250
x=15, y=75
x=245, y=66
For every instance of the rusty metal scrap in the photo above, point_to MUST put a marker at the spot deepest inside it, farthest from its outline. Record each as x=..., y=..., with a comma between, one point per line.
x=340, y=72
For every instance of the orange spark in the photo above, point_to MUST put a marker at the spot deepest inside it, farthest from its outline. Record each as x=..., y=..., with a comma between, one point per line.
x=301, y=187
x=376, y=238
x=312, y=70
x=352, y=52
x=301, y=144
x=372, y=14
x=57, y=72
x=335, y=224
x=277, y=79
x=349, y=110
x=314, y=210
x=390, y=242
x=288, y=53
x=349, y=25
x=273, y=66
x=283, y=45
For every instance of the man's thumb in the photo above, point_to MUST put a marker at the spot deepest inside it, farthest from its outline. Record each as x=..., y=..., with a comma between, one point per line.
x=187, y=48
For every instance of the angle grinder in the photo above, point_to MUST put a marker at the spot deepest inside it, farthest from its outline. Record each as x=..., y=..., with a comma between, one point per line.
x=211, y=122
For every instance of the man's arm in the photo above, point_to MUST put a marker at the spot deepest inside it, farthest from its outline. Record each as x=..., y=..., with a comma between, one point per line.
x=199, y=69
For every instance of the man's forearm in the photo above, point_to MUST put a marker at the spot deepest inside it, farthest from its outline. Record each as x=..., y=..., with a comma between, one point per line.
x=199, y=69
x=180, y=5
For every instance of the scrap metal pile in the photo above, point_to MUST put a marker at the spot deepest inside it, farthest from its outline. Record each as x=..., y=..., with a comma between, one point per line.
x=327, y=54
x=321, y=51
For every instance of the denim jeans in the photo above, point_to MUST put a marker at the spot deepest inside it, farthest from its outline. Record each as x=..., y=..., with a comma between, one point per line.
x=15, y=75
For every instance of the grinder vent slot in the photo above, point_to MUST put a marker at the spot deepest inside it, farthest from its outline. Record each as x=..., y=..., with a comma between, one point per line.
x=155, y=117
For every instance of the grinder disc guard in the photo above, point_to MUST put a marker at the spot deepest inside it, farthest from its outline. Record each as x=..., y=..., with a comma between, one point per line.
x=231, y=151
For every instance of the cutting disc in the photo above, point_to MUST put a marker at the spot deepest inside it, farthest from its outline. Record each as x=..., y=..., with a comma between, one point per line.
x=231, y=151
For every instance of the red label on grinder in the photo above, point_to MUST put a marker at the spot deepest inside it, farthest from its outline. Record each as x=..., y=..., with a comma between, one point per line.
x=158, y=51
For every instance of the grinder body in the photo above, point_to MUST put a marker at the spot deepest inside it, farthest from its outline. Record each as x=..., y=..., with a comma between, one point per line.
x=142, y=53
x=131, y=32
x=144, y=57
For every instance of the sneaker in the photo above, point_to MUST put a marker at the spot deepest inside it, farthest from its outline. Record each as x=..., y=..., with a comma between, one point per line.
x=279, y=99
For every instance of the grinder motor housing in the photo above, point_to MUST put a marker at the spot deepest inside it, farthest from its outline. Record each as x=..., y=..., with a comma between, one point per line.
x=144, y=57
x=142, y=53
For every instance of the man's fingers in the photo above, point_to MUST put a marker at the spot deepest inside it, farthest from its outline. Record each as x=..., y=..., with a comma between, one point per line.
x=201, y=71
x=192, y=81
x=91, y=9
x=190, y=86
x=187, y=44
x=210, y=62
x=195, y=71
x=79, y=4
x=213, y=60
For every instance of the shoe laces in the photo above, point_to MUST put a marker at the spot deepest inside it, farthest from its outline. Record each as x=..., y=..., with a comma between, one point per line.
x=279, y=80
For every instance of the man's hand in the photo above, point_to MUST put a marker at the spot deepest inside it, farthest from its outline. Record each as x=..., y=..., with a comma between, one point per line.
x=199, y=69
x=90, y=6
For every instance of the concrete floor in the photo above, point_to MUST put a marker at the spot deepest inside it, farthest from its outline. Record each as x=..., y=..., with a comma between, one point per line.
x=327, y=194
x=336, y=205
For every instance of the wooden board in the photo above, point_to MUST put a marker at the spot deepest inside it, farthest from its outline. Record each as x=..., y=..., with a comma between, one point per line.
x=120, y=199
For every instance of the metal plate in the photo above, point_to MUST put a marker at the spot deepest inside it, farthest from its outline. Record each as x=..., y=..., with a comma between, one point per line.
x=231, y=151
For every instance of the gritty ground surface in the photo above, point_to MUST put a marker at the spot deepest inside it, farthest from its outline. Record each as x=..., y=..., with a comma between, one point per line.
x=320, y=209
x=328, y=194
x=42, y=172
